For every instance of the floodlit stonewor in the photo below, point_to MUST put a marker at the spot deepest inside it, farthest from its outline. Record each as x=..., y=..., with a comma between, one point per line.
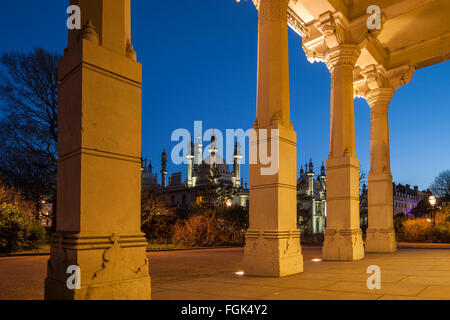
x=99, y=137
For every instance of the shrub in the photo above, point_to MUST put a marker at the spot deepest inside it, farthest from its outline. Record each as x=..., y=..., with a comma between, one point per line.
x=214, y=227
x=18, y=230
x=13, y=196
x=441, y=229
x=398, y=222
x=428, y=228
x=416, y=229
x=159, y=228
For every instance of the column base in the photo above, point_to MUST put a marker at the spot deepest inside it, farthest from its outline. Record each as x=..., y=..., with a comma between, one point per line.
x=272, y=253
x=381, y=240
x=112, y=267
x=343, y=245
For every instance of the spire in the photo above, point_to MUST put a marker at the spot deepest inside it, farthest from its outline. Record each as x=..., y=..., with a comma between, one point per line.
x=213, y=149
x=237, y=165
x=237, y=148
x=190, y=158
x=198, y=152
x=164, y=158
x=311, y=166
x=163, y=168
x=322, y=170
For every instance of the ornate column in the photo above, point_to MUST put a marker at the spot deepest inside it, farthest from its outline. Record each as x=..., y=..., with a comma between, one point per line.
x=99, y=148
x=343, y=237
x=380, y=232
x=273, y=240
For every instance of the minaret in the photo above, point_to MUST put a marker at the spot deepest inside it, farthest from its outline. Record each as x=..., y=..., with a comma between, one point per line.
x=323, y=179
x=198, y=152
x=237, y=165
x=213, y=150
x=323, y=175
x=164, y=168
x=310, y=178
x=190, y=158
x=142, y=163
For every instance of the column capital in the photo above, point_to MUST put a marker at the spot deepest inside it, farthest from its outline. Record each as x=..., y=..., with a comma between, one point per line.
x=400, y=76
x=343, y=55
x=380, y=97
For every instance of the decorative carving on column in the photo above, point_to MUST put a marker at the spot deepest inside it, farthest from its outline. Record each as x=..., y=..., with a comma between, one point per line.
x=130, y=51
x=297, y=24
x=400, y=76
x=332, y=29
x=344, y=55
x=88, y=32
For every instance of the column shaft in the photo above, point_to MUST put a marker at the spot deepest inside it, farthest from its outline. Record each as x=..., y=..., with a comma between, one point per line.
x=99, y=150
x=273, y=240
x=343, y=237
x=380, y=232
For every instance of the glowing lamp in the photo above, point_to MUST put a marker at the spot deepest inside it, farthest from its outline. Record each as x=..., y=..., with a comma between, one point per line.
x=432, y=200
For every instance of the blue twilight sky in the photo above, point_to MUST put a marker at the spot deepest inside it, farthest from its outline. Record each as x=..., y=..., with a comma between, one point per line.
x=199, y=62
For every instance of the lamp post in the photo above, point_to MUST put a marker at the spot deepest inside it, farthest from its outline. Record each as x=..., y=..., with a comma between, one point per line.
x=432, y=201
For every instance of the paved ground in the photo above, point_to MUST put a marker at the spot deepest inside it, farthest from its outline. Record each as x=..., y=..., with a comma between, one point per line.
x=209, y=274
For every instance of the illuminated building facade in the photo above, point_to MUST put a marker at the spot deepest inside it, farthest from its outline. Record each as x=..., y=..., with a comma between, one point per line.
x=311, y=200
x=406, y=199
x=203, y=176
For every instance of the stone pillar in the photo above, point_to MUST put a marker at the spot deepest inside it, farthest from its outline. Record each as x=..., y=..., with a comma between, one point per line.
x=380, y=232
x=99, y=148
x=343, y=237
x=273, y=240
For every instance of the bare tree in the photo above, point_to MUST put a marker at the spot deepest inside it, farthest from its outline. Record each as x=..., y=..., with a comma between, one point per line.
x=28, y=122
x=10, y=195
x=441, y=185
x=157, y=220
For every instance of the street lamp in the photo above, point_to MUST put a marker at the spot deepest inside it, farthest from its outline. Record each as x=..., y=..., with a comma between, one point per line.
x=432, y=201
